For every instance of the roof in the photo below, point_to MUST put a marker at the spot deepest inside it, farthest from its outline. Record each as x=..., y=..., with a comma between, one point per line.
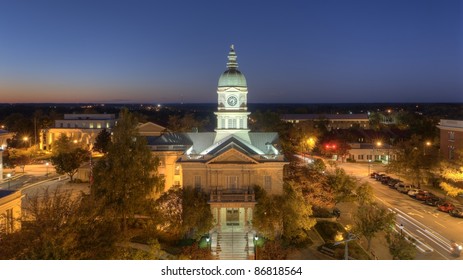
x=325, y=116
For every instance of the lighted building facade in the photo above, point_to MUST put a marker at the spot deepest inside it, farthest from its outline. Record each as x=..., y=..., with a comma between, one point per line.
x=451, y=138
x=80, y=128
x=10, y=211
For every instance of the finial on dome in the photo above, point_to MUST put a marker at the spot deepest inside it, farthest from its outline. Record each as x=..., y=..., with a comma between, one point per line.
x=231, y=64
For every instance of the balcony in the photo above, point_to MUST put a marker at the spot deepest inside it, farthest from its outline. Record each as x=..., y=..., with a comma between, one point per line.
x=232, y=196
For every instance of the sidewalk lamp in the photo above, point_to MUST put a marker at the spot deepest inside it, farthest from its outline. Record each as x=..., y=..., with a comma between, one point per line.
x=208, y=242
x=427, y=144
x=46, y=164
x=348, y=238
x=9, y=179
x=255, y=246
x=27, y=140
x=369, y=167
x=401, y=227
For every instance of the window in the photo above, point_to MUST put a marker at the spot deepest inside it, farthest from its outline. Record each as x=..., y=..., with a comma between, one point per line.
x=267, y=183
x=241, y=123
x=360, y=157
x=107, y=125
x=91, y=125
x=451, y=135
x=369, y=157
x=222, y=123
x=233, y=123
x=230, y=123
x=177, y=170
x=197, y=181
x=232, y=182
x=98, y=125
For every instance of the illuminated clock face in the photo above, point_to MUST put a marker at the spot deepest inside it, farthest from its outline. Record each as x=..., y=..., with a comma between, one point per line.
x=232, y=101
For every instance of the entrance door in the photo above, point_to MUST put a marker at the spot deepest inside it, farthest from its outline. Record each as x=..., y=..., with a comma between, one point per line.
x=233, y=217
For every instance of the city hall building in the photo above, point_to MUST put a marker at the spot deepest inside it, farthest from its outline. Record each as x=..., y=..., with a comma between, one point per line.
x=226, y=164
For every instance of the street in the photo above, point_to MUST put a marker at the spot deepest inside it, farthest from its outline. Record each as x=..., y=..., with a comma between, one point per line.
x=432, y=229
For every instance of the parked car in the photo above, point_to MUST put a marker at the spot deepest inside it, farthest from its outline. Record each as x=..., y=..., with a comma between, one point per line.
x=373, y=175
x=385, y=179
x=413, y=192
x=379, y=177
x=445, y=207
x=433, y=201
x=404, y=188
x=424, y=195
x=393, y=182
x=456, y=212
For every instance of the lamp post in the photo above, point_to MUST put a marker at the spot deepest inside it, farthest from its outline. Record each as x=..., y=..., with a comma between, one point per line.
x=255, y=246
x=401, y=227
x=378, y=145
x=369, y=167
x=427, y=144
x=46, y=164
x=349, y=237
x=9, y=179
x=208, y=241
x=27, y=140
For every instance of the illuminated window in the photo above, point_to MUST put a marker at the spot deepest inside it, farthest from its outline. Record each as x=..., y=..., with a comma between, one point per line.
x=451, y=135
x=98, y=125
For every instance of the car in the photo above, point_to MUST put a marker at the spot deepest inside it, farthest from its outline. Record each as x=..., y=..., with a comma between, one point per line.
x=456, y=212
x=373, y=175
x=433, y=201
x=379, y=177
x=413, y=192
x=423, y=195
x=385, y=179
x=400, y=187
x=445, y=207
x=393, y=182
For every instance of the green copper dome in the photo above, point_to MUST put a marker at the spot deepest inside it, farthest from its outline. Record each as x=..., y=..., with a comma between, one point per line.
x=232, y=77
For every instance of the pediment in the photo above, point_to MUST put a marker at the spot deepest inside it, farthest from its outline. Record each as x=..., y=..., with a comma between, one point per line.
x=232, y=156
x=150, y=129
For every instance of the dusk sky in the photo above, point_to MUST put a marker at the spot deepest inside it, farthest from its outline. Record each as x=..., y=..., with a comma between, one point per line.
x=174, y=51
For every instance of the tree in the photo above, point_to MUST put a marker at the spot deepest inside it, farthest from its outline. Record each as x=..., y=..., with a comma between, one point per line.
x=400, y=248
x=102, y=142
x=452, y=176
x=412, y=161
x=69, y=162
x=126, y=176
x=342, y=185
x=61, y=225
x=185, y=123
x=371, y=219
x=286, y=216
x=196, y=213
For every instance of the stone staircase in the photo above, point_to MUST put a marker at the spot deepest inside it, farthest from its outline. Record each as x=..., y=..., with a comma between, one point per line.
x=232, y=245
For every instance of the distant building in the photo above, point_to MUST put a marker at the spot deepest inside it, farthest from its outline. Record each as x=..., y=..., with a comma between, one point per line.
x=80, y=128
x=370, y=152
x=451, y=138
x=4, y=137
x=10, y=211
x=333, y=121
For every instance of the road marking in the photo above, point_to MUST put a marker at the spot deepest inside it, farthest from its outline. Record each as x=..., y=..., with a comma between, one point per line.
x=437, y=243
x=414, y=214
x=440, y=224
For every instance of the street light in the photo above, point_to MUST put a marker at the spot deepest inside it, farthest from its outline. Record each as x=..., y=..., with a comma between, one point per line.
x=369, y=167
x=9, y=179
x=349, y=237
x=255, y=246
x=401, y=227
x=26, y=139
x=427, y=144
x=46, y=164
x=378, y=144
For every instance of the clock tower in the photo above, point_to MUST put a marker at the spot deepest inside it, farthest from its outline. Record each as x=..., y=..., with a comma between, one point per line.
x=232, y=91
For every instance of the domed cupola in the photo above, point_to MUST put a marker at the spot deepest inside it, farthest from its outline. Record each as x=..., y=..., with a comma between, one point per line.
x=232, y=77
